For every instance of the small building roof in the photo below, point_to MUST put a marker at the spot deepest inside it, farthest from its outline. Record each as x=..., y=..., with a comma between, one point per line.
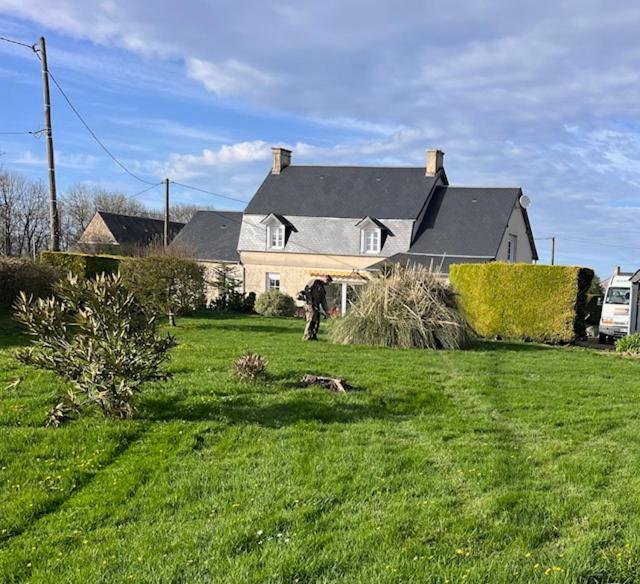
x=344, y=192
x=134, y=230
x=212, y=235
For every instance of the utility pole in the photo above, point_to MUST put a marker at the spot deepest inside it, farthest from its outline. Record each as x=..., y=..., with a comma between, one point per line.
x=54, y=220
x=553, y=251
x=166, y=213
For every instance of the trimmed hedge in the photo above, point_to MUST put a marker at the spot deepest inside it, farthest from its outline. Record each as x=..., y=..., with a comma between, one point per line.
x=23, y=275
x=275, y=303
x=81, y=264
x=523, y=301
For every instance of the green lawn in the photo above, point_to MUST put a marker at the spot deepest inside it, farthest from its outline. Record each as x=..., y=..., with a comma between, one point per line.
x=505, y=463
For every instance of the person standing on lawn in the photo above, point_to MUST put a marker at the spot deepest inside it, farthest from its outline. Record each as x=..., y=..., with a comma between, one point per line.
x=315, y=300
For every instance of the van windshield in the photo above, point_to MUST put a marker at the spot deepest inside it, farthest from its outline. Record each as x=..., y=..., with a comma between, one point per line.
x=618, y=296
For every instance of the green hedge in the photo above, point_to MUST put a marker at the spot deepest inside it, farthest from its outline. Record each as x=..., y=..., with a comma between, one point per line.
x=523, y=301
x=23, y=275
x=81, y=264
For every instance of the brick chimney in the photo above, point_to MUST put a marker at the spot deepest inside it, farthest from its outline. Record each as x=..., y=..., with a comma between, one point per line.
x=281, y=159
x=435, y=161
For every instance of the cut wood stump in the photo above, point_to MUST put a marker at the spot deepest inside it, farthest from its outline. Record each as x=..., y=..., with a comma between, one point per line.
x=336, y=384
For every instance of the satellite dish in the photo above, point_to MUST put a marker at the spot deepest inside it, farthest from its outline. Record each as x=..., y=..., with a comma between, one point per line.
x=525, y=202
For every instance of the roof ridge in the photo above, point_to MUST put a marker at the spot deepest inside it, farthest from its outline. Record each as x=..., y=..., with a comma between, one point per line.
x=368, y=166
x=136, y=216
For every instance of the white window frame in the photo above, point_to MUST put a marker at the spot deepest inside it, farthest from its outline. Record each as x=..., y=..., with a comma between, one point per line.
x=273, y=276
x=364, y=240
x=512, y=248
x=277, y=232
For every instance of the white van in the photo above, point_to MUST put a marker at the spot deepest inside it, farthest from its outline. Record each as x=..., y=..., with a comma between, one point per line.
x=620, y=314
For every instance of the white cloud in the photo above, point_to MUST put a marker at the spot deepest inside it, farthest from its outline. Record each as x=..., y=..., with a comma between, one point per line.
x=228, y=78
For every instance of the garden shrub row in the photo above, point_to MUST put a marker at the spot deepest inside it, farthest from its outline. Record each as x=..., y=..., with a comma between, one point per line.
x=162, y=284
x=22, y=274
x=523, y=301
x=81, y=264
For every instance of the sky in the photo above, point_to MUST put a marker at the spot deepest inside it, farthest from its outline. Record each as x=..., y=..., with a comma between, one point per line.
x=544, y=96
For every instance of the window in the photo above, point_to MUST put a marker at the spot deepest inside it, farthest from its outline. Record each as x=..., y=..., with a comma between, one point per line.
x=512, y=245
x=273, y=281
x=371, y=241
x=275, y=237
x=618, y=296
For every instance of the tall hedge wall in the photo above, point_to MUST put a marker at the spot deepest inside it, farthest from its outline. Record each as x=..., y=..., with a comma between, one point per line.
x=523, y=301
x=80, y=264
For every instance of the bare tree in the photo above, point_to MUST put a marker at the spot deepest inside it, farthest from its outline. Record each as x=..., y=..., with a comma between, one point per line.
x=23, y=215
x=81, y=202
x=183, y=212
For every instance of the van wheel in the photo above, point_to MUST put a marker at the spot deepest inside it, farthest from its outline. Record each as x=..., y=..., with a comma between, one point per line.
x=602, y=339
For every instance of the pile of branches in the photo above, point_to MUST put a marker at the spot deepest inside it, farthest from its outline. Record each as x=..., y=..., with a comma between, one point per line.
x=404, y=307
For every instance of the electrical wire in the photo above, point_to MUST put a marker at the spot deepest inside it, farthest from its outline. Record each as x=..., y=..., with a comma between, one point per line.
x=6, y=40
x=93, y=134
x=142, y=192
x=209, y=192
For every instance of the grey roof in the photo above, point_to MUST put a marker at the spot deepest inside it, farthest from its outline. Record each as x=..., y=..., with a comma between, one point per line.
x=343, y=191
x=129, y=229
x=212, y=235
x=467, y=221
x=438, y=263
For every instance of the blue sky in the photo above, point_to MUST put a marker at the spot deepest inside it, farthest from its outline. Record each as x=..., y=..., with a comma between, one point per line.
x=541, y=95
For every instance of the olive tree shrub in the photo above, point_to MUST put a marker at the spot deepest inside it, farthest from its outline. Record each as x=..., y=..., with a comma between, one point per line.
x=97, y=335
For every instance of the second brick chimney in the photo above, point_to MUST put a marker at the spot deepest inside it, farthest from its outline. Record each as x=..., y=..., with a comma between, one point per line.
x=281, y=159
x=435, y=162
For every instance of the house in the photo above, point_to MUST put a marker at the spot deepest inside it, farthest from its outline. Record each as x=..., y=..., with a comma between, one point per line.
x=305, y=221
x=211, y=238
x=123, y=234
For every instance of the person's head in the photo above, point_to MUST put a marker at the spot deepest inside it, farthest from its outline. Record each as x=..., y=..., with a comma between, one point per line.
x=327, y=279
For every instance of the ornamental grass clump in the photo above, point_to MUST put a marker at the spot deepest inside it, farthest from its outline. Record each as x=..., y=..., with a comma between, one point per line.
x=629, y=345
x=404, y=307
x=95, y=334
x=250, y=367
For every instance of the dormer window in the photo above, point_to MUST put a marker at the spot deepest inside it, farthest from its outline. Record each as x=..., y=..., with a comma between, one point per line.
x=275, y=236
x=371, y=240
x=373, y=234
x=278, y=230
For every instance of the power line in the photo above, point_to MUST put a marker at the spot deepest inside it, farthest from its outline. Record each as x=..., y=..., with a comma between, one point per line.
x=93, y=134
x=6, y=40
x=142, y=192
x=35, y=133
x=209, y=192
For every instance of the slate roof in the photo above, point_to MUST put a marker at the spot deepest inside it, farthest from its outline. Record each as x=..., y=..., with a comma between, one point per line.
x=131, y=230
x=343, y=191
x=212, y=235
x=437, y=263
x=467, y=221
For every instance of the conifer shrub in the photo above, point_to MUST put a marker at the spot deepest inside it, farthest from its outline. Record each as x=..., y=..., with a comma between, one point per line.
x=523, y=301
x=404, y=307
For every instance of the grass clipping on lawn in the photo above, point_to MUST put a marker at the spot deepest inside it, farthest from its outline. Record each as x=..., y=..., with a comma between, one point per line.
x=405, y=307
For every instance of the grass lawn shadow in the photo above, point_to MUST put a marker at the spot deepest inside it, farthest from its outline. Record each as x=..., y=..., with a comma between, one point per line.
x=305, y=406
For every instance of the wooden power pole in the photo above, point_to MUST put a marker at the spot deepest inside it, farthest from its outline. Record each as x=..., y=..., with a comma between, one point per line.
x=54, y=220
x=166, y=213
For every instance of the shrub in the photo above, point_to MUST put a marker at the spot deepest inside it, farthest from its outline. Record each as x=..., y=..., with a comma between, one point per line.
x=80, y=264
x=95, y=334
x=23, y=275
x=523, y=301
x=404, y=307
x=250, y=367
x=275, y=303
x=230, y=298
x=629, y=344
x=165, y=285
